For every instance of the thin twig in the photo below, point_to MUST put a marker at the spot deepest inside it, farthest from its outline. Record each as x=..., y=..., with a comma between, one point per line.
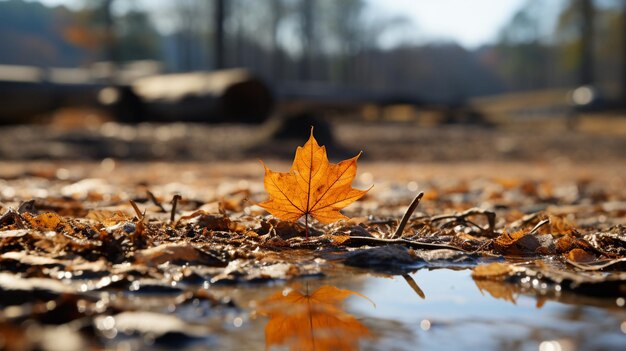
x=155, y=201
x=175, y=200
x=137, y=210
x=474, y=224
x=383, y=222
x=140, y=227
x=407, y=215
x=524, y=220
x=365, y=240
x=414, y=285
x=483, y=246
x=462, y=217
x=538, y=226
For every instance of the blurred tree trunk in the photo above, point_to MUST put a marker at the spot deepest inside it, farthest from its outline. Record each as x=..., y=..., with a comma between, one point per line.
x=218, y=40
x=111, y=53
x=623, y=92
x=307, y=38
x=586, y=42
x=276, y=54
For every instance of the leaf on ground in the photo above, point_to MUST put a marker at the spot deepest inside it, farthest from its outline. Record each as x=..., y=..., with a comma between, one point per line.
x=182, y=253
x=108, y=217
x=285, y=230
x=522, y=244
x=219, y=223
x=561, y=226
x=312, y=187
x=48, y=221
x=612, y=242
x=567, y=243
x=580, y=255
x=339, y=239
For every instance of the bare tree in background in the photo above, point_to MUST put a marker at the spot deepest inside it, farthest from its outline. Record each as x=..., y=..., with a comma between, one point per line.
x=525, y=63
x=586, y=41
x=109, y=32
x=349, y=29
x=277, y=13
x=192, y=26
x=308, y=38
x=219, y=35
x=623, y=85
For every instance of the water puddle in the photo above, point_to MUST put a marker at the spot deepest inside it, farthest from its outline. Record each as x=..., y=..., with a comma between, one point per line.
x=337, y=308
x=370, y=312
x=455, y=314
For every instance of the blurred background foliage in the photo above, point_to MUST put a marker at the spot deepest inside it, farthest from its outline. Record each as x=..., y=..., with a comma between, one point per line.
x=328, y=41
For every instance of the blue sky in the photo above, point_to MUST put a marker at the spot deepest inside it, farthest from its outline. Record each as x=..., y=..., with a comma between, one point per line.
x=468, y=22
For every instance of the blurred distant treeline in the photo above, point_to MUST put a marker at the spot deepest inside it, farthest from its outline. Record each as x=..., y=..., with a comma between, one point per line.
x=326, y=40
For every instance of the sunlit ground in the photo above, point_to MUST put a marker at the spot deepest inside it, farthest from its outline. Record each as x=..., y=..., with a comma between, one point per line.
x=576, y=173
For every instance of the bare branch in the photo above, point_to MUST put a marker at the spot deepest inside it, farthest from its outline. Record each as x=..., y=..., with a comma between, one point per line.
x=463, y=218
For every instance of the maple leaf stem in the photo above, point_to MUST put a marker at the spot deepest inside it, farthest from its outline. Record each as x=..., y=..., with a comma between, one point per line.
x=306, y=225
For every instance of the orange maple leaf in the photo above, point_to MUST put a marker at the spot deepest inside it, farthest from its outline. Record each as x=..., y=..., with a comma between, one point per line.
x=312, y=321
x=312, y=187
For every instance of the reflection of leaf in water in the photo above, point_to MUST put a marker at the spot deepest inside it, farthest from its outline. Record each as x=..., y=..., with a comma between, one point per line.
x=314, y=321
x=492, y=271
x=489, y=277
x=497, y=289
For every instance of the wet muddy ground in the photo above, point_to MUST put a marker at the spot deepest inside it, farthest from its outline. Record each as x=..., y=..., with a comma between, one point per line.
x=166, y=254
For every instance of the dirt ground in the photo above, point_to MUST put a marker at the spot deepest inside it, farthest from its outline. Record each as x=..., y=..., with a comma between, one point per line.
x=560, y=167
x=102, y=227
x=203, y=160
x=399, y=141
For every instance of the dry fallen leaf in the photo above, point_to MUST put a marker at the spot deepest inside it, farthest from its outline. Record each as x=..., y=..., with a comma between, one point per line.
x=312, y=321
x=48, y=221
x=108, y=217
x=560, y=225
x=312, y=187
x=173, y=252
x=521, y=243
x=580, y=256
